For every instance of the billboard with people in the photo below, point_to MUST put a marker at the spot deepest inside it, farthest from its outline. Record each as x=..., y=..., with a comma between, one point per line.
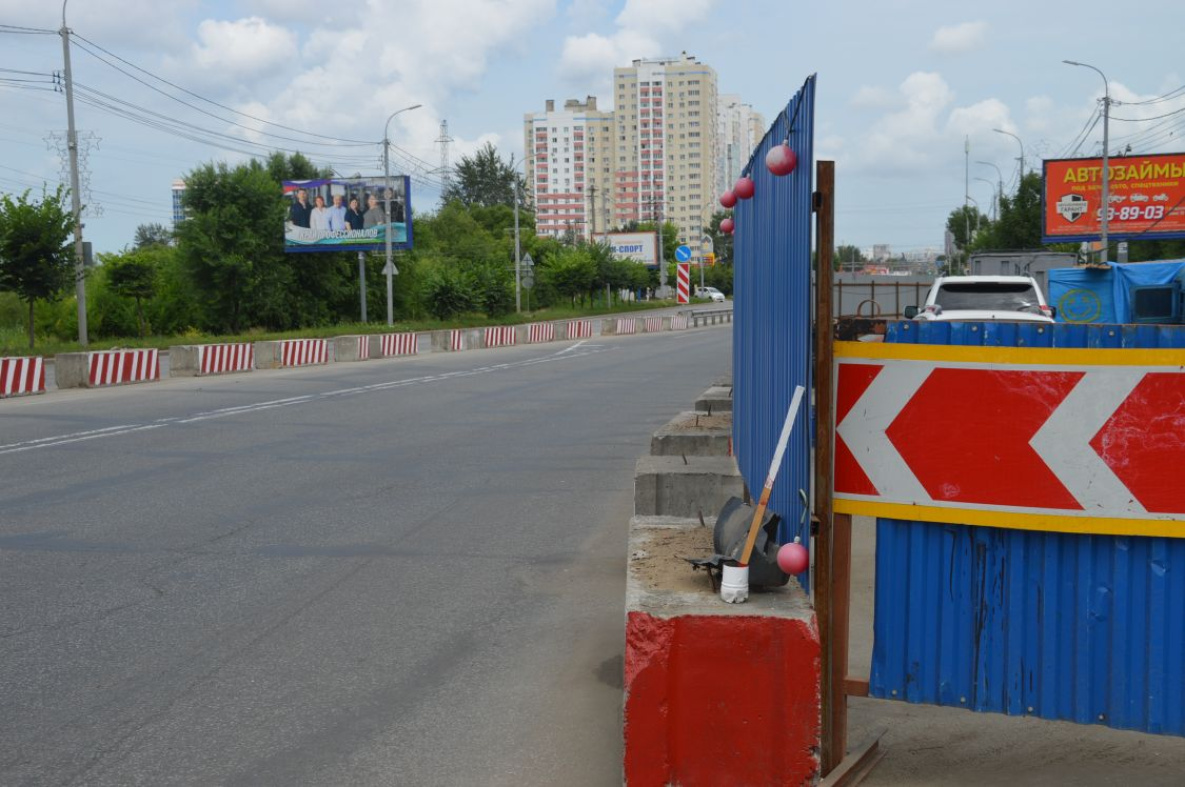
x=347, y=214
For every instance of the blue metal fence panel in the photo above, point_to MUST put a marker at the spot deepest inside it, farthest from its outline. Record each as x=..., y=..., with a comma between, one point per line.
x=1082, y=628
x=772, y=303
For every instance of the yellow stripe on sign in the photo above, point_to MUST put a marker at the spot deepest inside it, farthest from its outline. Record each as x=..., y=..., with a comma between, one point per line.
x=1012, y=520
x=1044, y=356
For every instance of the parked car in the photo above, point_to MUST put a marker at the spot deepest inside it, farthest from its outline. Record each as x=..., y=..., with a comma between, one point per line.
x=978, y=298
x=711, y=293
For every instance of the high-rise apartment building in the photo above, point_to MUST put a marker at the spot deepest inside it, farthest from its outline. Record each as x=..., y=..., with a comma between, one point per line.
x=569, y=167
x=178, y=202
x=664, y=143
x=739, y=130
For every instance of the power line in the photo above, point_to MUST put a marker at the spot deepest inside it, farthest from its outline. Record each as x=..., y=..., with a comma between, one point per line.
x=1159, y=99
x=1146, y=120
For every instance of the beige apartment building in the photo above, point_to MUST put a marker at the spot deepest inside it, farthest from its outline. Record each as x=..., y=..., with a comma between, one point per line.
x=569, y=168
x=739, y=131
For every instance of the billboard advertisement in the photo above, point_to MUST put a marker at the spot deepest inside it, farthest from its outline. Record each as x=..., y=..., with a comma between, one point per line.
x=637, y=246
x=347, y=214
x=1146, y=196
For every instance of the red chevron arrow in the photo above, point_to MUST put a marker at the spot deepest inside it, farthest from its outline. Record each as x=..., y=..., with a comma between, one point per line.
x=1144, y=442
x=965, y=436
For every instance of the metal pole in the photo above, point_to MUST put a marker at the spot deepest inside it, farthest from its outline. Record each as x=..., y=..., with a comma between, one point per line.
x=1022, y=154
x=518, y=265
x=75, y=196
x=967, y=194
x=1000, y=182
x=362, y=282
x=1105, y=209
x=390, y=268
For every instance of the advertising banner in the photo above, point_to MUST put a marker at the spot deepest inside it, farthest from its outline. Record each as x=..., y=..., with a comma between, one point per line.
x=638, y=246
x=347, y=214
x=1146, y=195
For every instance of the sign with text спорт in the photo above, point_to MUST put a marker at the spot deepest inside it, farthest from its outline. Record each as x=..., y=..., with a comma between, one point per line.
x=1147, y=196
x=637, y=246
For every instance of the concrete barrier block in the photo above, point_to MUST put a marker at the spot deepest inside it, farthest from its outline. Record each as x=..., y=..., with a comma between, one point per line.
x=22, y=376
x=184, y=360
x=715, y=693
x=694, y=434
x=716, y=399
x=268, y=355
x=673, y=486
x=72, y=370
x=351, y=348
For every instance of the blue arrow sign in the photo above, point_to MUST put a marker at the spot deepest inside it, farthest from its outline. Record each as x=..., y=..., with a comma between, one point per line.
x=683, y=254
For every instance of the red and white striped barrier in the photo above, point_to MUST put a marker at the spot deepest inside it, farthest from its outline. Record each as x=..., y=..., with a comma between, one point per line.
x=224, y=358
x=679, y=322
x=21, y=376
x=115, y=367
x=500, y=336
x=457, y=340
x=683, y=275
x=627, y=325
x=303, y=352
x=541, y=332
x=653, y=324
x=579, y=329
x=398, y=344
x=363, y=348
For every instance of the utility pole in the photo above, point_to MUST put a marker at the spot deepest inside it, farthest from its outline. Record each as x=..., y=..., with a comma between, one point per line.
x=75, y=187
x=390, y=267
x=518, y=267
x=592, y=201
x=1000, y=182
x=445, y=170
x=1104, y=218
x=967, y=192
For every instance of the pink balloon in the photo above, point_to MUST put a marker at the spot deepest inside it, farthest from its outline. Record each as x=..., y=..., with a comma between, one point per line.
x=728, y=198
x=744, y=188
x=781, y=160
x=793, y=558
x=727, y=226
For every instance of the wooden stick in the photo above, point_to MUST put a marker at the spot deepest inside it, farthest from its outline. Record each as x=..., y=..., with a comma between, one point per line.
x=774, y=466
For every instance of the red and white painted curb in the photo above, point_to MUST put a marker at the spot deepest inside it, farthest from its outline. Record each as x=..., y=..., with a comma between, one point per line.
x=115, y=367
x=303, y=352
x=363, y=348
x=579, y=329
x=398, y=344
x=541, y=332
x=679, y=322
x=501, y=336
x=653, y=324
x=627, y=325
x=225, y=358
x=22, y=376
x=456, y=340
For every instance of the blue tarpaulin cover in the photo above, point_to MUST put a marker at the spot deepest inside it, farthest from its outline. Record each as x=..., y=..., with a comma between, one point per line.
x=1104, y=296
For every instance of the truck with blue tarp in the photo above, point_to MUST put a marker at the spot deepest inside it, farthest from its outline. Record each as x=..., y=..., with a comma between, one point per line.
x=1124, y=293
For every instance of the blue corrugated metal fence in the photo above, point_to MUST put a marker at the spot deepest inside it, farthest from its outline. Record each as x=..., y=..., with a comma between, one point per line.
x=1080, y=628
x=772, y=302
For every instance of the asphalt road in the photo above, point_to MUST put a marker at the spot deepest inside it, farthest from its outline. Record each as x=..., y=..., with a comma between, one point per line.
x=405, y=572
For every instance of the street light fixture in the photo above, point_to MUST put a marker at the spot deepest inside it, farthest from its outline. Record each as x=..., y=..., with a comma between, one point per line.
x=991, y=186
x=390, y=267
x=1106, y=206
x=1022, y=153
x=1000, y=175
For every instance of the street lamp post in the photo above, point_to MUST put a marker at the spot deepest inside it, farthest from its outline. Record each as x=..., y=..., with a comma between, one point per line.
x=1000, y=175
x=712, y=245
x=1022, y=153
x=390, y=267
x=991, y=186
x=1106, y=206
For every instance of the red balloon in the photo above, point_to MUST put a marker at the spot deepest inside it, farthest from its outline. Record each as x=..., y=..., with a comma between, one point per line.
x=727, y=226
x=728, y=199
x=781, y=160
x=793, y=558
x=744, y=188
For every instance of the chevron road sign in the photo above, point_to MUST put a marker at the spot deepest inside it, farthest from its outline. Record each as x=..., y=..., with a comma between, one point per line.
x=1074, y=440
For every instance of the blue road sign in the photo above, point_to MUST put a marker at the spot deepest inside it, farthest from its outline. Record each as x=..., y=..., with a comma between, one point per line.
x=683, y=254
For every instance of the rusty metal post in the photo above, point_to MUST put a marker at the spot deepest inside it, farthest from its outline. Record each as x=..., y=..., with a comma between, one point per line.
x=834, y=729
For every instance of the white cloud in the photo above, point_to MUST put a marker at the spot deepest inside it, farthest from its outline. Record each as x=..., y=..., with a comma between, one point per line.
x=643, y=27
x=875, y=98
x=245, y=47
x=959, y=39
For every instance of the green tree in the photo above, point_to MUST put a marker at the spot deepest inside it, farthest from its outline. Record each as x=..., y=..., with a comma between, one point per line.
x=572, y=273
x=484, y=180
x=1019, y=224
x=133, y=275
x=849, y=257
x=36, y=258
x=721, y=242
x=152, y=235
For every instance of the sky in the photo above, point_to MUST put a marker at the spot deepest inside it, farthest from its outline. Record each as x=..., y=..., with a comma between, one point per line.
x=902, y=85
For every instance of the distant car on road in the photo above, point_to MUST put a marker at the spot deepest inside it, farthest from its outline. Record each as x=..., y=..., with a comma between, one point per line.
x=711, y=293
x=979, y=298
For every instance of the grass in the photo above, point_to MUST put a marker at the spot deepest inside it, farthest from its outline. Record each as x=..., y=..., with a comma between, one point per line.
x=14, y=341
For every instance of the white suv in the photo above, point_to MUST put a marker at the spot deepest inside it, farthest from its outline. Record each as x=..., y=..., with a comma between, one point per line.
x=711, y=293
x=979, y=298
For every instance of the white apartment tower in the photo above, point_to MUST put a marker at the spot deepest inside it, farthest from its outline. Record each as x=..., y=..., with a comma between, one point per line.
x=664, y=143
x=569, y=168
x=739, y=130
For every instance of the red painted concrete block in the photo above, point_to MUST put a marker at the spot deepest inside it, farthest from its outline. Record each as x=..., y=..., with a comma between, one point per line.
x=715, y=693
